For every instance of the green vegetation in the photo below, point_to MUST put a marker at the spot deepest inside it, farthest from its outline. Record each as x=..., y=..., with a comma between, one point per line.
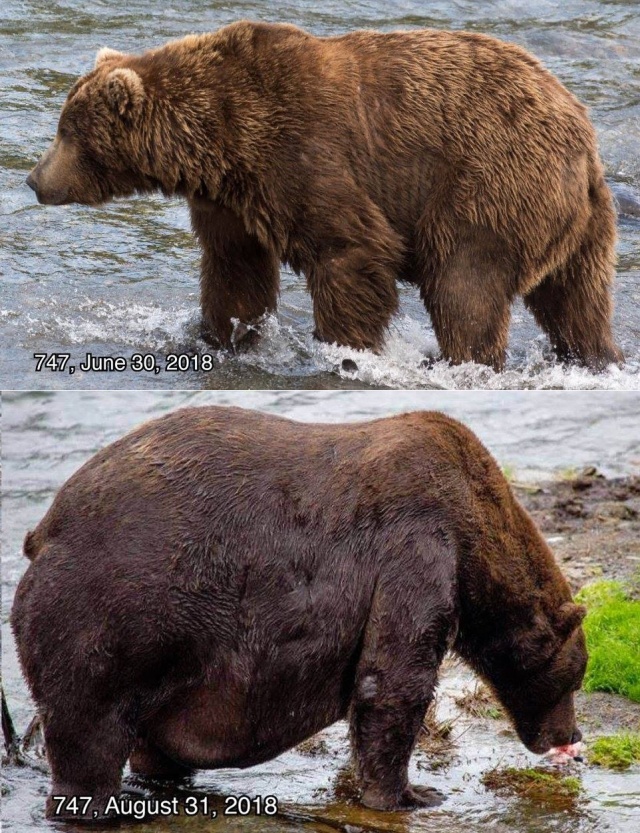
x=509, y=472
x=494, y=712
x=480, y=702
x=616, y=751
x=550, y=788
x=612, y=628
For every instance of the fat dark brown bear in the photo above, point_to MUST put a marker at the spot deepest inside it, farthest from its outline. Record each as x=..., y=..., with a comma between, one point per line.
x=448, y=160
x=221, y=584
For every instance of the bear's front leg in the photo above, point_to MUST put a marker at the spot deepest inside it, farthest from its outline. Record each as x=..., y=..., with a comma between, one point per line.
x=357, y=259
x=383, y=735
x=239, y=278
x=469, y=298
x=354, y=297
x=405, y=640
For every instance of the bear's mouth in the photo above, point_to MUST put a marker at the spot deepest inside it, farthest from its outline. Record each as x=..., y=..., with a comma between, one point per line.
x=53, y=199
x=538, y=746
x=50, y=197
x=541, y=742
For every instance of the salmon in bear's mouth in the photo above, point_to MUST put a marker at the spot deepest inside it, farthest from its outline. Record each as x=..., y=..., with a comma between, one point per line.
x=566, y=753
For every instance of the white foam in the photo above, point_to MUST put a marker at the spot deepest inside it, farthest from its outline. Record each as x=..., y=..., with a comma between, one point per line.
x=141, y=326
x=288, y=349
x=280, y=349
x=398, y=366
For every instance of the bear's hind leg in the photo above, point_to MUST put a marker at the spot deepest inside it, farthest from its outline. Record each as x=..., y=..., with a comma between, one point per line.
x=239, y=280
x=573, y=303
x=573, y=306
x=87, y=749
x=469, y=300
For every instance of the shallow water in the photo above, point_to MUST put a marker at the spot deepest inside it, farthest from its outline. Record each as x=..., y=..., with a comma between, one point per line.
x=47, y=436
x=123, y=279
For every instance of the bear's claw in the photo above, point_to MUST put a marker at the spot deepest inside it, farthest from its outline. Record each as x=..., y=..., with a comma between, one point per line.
x=421, y=796
x=412, y=798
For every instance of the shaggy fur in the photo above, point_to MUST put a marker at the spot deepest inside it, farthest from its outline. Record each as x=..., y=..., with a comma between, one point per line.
x=448, y=160
x=220, y=584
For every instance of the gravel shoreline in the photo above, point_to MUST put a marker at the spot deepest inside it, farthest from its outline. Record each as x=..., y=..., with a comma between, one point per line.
x=592, y=524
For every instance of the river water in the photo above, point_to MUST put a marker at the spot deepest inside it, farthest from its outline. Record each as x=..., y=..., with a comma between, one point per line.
x=47, y=436
x=122, y=279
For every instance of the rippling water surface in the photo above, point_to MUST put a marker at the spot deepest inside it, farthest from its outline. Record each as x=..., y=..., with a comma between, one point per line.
x=122, y=279
x=48, y=436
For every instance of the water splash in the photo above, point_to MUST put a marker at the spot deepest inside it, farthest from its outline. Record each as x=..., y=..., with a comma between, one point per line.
x=286, y=349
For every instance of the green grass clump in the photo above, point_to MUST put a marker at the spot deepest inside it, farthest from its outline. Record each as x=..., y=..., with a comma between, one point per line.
x=616, y=751
x=550, y=788
x=612, y=629
x=509, y=472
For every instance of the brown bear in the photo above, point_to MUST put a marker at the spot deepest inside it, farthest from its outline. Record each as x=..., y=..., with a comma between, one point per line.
x=191, y=573
x=448, y=160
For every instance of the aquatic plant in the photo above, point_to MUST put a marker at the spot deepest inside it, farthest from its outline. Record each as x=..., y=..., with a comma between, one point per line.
x=547, y=787
x=612, y=629
x=479, y=702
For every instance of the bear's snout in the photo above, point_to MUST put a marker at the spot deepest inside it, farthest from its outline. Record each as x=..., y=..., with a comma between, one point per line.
x=541, y=741
x=46, y=196
x=33, y=181
x=50, y=178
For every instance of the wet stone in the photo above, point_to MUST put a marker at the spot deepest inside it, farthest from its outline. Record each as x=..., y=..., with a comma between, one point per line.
x=620, y=511
x=572, y=506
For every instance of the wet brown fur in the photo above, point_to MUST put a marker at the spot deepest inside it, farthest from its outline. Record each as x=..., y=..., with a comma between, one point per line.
x=449, y=160
x=220, y=584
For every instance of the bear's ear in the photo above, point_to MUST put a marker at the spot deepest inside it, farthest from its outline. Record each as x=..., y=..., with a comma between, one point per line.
x=569, y=616
x=107, y=54
x=125, y=91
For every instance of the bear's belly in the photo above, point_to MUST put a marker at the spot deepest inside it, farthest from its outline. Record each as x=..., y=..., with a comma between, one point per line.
x=232, y=724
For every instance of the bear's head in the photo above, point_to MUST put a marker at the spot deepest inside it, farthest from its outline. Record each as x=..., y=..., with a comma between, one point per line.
x=101, y=141
x=535, y=672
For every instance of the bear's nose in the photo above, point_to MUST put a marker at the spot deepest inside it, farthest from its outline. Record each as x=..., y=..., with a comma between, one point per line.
x=576, y=737
x=31, y=183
